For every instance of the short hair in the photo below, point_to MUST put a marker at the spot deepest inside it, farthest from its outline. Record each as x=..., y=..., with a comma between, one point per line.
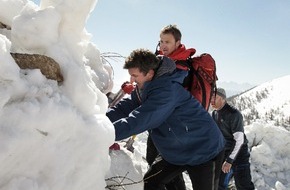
x=143, y=59
x=172, y=29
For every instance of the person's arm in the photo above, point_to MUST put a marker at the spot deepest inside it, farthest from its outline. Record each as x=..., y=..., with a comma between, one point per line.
x=124, y=107
x=152, y=113
x=239, y=138
x=238, y=135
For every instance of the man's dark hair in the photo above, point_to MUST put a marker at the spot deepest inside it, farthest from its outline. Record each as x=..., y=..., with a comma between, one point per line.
x=172, y=29
x=142, y=59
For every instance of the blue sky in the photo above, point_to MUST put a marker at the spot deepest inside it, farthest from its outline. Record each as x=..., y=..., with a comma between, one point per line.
x=249, y=40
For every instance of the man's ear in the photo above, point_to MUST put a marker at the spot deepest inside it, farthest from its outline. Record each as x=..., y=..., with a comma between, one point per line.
x=178, y=43
x=151, y=73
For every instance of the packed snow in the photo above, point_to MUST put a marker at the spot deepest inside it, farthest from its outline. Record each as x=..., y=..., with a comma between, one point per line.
x=55, y=136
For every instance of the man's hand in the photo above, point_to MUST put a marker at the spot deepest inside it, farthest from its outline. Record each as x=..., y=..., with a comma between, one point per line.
x=129, y=144
x=127, y=87
x=114, y=146
x=226, y=167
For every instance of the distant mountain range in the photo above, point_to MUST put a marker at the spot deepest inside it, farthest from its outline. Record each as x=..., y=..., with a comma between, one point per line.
x=269, y=101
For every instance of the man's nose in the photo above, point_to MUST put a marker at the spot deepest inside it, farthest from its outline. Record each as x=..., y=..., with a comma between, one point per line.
x=132, y=79
x=212, y=100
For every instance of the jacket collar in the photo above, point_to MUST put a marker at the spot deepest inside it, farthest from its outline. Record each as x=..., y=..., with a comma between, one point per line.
x=167, y=66
x=181, y=53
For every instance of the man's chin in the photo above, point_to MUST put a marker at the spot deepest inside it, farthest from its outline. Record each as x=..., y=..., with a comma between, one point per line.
x=165, y=53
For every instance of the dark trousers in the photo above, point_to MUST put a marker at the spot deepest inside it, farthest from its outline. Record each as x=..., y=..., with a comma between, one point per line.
x=218, y=160
x=202, y=176
x=242, y=176
x=176, y=183
x=241, y=172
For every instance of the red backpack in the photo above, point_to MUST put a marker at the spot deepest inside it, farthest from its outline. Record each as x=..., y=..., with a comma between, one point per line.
x=201, y=78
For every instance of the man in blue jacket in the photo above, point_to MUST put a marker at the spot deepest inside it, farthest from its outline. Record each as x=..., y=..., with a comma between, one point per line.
x=183, y=132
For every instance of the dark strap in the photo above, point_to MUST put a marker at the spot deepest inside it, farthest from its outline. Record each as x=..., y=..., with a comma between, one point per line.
x=157, y=52
x=200, y=80
x=184, y=63
x=138, y=95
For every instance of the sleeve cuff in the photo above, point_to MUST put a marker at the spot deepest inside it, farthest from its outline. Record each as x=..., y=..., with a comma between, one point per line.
x=229, y=160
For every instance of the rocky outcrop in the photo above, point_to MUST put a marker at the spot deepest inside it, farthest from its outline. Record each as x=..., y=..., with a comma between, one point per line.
x=2, y=26
x=48, y=67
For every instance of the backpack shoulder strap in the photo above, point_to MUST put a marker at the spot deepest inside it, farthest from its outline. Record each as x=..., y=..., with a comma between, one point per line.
x=183, y=64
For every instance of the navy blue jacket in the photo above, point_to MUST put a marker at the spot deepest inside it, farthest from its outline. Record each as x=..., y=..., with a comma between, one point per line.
x=182, y=130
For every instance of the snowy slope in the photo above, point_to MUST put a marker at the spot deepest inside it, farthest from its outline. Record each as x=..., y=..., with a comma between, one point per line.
x=269, y=101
